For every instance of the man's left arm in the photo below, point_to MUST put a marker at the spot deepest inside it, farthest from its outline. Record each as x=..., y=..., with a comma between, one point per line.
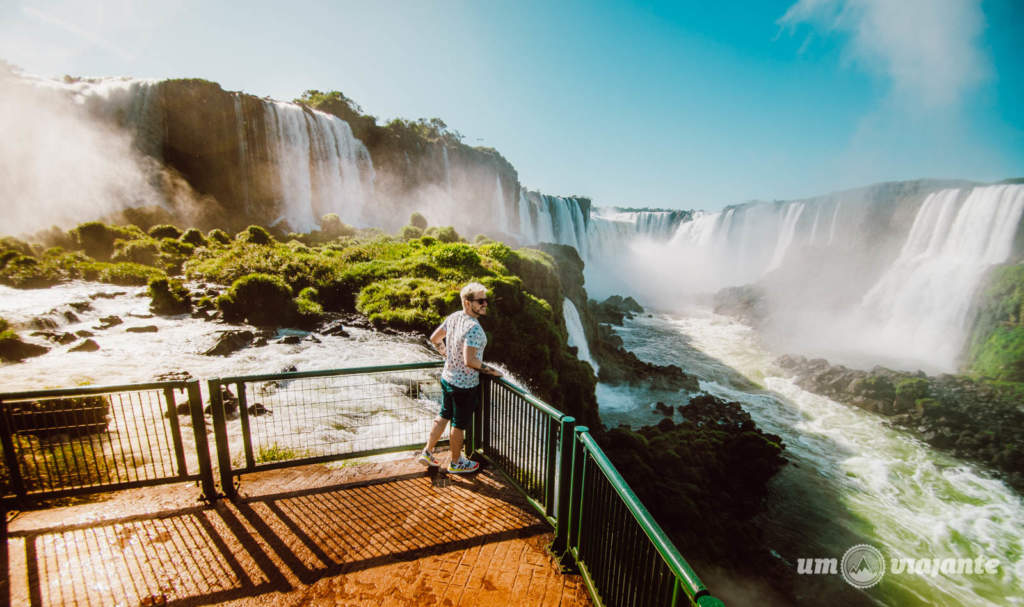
x=472, y=359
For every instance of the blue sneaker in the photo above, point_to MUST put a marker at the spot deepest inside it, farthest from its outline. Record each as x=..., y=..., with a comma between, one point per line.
x=463, y=466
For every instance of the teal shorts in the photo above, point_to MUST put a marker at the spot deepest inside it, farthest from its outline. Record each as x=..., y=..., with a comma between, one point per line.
x=459, y=404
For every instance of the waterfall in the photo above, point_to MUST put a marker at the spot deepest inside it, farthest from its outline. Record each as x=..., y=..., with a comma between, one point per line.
x=500, y=212
x=243, y=156
x=921, y=304
x=786, y=233
x=318, y=164
x=577, y=338
x=526, y=225
x=447, y=169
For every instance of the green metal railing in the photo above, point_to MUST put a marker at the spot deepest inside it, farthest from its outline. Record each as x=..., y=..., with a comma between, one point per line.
x=600, y=525
x=262, y=422
x=624, y=555
x=89, y=440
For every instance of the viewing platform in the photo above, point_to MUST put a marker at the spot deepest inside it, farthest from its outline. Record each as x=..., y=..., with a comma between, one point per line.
x=373, y=533
x=301, y=488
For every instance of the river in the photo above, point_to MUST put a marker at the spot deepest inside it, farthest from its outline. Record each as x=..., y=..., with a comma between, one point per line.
x=851, y=479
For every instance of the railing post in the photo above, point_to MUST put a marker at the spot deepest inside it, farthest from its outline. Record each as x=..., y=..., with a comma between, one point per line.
x=575, y=496
x=472, y=438
x=243, y=420
x=485, y=418
x=10, y=456
x=220, y=434
x=195, y=402
x=172, y=419
x=565, y=441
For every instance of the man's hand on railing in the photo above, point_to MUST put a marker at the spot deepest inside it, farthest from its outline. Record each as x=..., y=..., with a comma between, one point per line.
x=488, y=369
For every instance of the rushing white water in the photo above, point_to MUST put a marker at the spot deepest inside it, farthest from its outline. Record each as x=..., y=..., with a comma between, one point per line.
x=342, y=415
x=577, y=338
x=858, y=480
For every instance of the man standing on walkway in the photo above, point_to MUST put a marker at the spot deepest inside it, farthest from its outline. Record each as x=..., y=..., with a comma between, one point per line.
x=460, y=339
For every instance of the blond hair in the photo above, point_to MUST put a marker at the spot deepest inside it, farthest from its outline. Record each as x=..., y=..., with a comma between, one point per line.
x=472, y=291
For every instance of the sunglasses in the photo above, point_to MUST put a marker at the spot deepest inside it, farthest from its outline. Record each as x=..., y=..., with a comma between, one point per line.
x=480, y=300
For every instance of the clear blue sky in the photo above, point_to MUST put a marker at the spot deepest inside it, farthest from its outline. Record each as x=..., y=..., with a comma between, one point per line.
x=670, y=104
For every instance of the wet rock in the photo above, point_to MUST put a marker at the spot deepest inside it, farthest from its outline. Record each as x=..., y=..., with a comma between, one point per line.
x=69, y=316
x=662, y=408
x=44, y=323
x=231, y=341
x=107, y=295
x=142, y=329
x=173, y=376
x=312, y=338
x=84, y=333
x=335, y=328
x=229, y=400
x=290, y=339
x=258, y=409
x=15, y=350
x=108, y=321
x=81, y=306
x=87, y=345
x=615, y=309
x=59, y=337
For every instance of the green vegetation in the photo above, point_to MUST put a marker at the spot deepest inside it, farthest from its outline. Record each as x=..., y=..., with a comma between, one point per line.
x=995, y=349
x=418, y=220
x=162, y=231
x=277, y=453
x=407, y=282
x=169, y=296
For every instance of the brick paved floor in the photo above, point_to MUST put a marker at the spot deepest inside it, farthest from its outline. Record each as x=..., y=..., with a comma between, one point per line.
x=381, y=533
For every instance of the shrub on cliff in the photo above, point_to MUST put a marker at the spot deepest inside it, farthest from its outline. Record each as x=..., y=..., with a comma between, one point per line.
x=443, y=233
x=995, y=348
x=97, y=238
x=162, y=231
x=193, y=237
x=169, y=296
x=410, y=304
x=255, y=235
x=218, y=236
x=418, y=220
x=265, y=300
x=145, y=251
x=127, y=273
x=331, y=227
x=410, y=231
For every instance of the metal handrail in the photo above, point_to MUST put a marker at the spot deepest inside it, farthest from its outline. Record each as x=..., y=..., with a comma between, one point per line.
x=695, y=589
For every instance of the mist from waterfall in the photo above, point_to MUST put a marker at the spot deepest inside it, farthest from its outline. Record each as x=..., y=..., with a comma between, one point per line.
x=61, y=158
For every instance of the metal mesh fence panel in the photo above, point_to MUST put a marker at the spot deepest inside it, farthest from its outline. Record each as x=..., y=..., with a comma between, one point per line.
x=520, y=439
x=626, y=568
x=291, y=419
x=97, y=439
